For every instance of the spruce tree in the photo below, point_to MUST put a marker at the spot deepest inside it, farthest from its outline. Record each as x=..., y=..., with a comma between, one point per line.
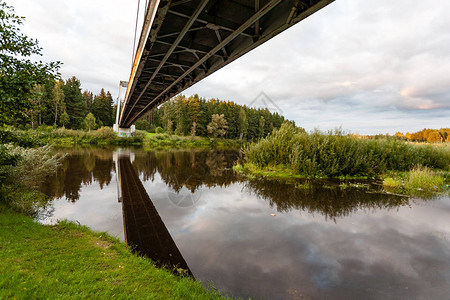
x=75, y=104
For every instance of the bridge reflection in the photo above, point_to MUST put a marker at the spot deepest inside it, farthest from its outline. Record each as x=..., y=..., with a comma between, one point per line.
x=144, y=229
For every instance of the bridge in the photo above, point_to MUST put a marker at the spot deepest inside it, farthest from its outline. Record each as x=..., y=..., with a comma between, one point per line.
x=184, y=41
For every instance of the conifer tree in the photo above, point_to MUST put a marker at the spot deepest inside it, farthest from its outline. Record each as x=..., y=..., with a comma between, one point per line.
x=75, y=104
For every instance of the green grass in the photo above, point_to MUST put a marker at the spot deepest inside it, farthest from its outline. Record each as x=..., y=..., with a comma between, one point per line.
x=417, y=181
x=424, y=178
x=67, y=137
x=68, y=261
x=165, y=141
x=251, y=170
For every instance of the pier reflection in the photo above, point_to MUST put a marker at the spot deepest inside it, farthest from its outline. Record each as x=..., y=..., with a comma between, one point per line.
x=144, y=229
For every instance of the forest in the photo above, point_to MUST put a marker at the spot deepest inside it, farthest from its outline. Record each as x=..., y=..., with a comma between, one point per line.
x=62, y=103
x=197, y=116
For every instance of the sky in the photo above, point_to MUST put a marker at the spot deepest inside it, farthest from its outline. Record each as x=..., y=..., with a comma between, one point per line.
x=367, y=67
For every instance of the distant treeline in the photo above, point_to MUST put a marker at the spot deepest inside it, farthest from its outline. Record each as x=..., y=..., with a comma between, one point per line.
x=427, y=135
x=200, y=117
x=62, y=103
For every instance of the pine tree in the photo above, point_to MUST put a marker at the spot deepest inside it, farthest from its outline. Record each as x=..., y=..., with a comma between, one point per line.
x=261, y=127
x=102, y=108
x=89, y=99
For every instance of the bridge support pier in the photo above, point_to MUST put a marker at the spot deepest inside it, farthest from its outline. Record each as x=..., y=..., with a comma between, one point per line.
x=124, y=132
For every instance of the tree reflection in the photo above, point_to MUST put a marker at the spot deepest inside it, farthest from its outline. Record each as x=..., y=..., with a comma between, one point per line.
x=325, y=198
x=190, y=169
x=194, y=169
x=80, y=167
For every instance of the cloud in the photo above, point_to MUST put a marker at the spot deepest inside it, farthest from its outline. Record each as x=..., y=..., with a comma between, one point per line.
x=355, y=63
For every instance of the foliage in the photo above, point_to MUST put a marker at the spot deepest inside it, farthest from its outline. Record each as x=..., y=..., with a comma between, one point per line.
x=102, y=108
x=7, y=162
x=90, y=121
x=142, y=124
x=218, y=126
x=75, y=105
x=191, y=116
x=31, y=167
x=335, y=154
x=243, y=123
x=59, y=103
x=18, y=74
x=164, y=141
x=64, y=119
x=426, y=135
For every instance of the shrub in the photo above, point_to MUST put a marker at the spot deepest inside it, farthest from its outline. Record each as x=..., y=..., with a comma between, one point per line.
x=106, y=133
x=30, y=169
x=159, y=130
x=334, y=154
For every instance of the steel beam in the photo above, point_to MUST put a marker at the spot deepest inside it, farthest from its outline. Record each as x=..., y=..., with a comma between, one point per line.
x=185, y=29
x=258, y=15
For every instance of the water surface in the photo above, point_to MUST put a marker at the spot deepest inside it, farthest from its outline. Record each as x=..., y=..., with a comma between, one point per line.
x=260, y=238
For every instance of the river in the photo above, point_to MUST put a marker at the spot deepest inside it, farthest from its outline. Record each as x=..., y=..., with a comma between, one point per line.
x=258, y=238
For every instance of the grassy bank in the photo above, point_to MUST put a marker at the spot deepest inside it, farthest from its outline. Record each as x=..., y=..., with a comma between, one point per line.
x=291, y=152
x=165, y=141
x=105, y=136
x=419, y=180
x=66, y=260
x=67, y=137
x=70, y=261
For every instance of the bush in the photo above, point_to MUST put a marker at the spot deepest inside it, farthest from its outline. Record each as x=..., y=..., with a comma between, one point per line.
x=334, y=154
x=23, y=177
x=159, y=130
x=106, y=133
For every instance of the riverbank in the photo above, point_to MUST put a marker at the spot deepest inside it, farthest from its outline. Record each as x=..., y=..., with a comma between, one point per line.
x=165, y=141
x=292, y=153
x=105, y=136
x=70, y=261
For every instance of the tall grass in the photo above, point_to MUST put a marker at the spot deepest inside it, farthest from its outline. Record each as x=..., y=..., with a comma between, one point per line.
x=336, y=154
x=33, y=166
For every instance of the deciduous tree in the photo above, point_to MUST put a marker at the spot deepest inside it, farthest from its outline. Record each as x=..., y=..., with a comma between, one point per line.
x=18, y=74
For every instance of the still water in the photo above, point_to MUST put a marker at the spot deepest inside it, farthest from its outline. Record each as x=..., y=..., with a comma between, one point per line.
x=258, y=238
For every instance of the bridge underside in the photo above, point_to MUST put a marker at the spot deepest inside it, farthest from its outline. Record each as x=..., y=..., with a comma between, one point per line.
x=184, y=41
